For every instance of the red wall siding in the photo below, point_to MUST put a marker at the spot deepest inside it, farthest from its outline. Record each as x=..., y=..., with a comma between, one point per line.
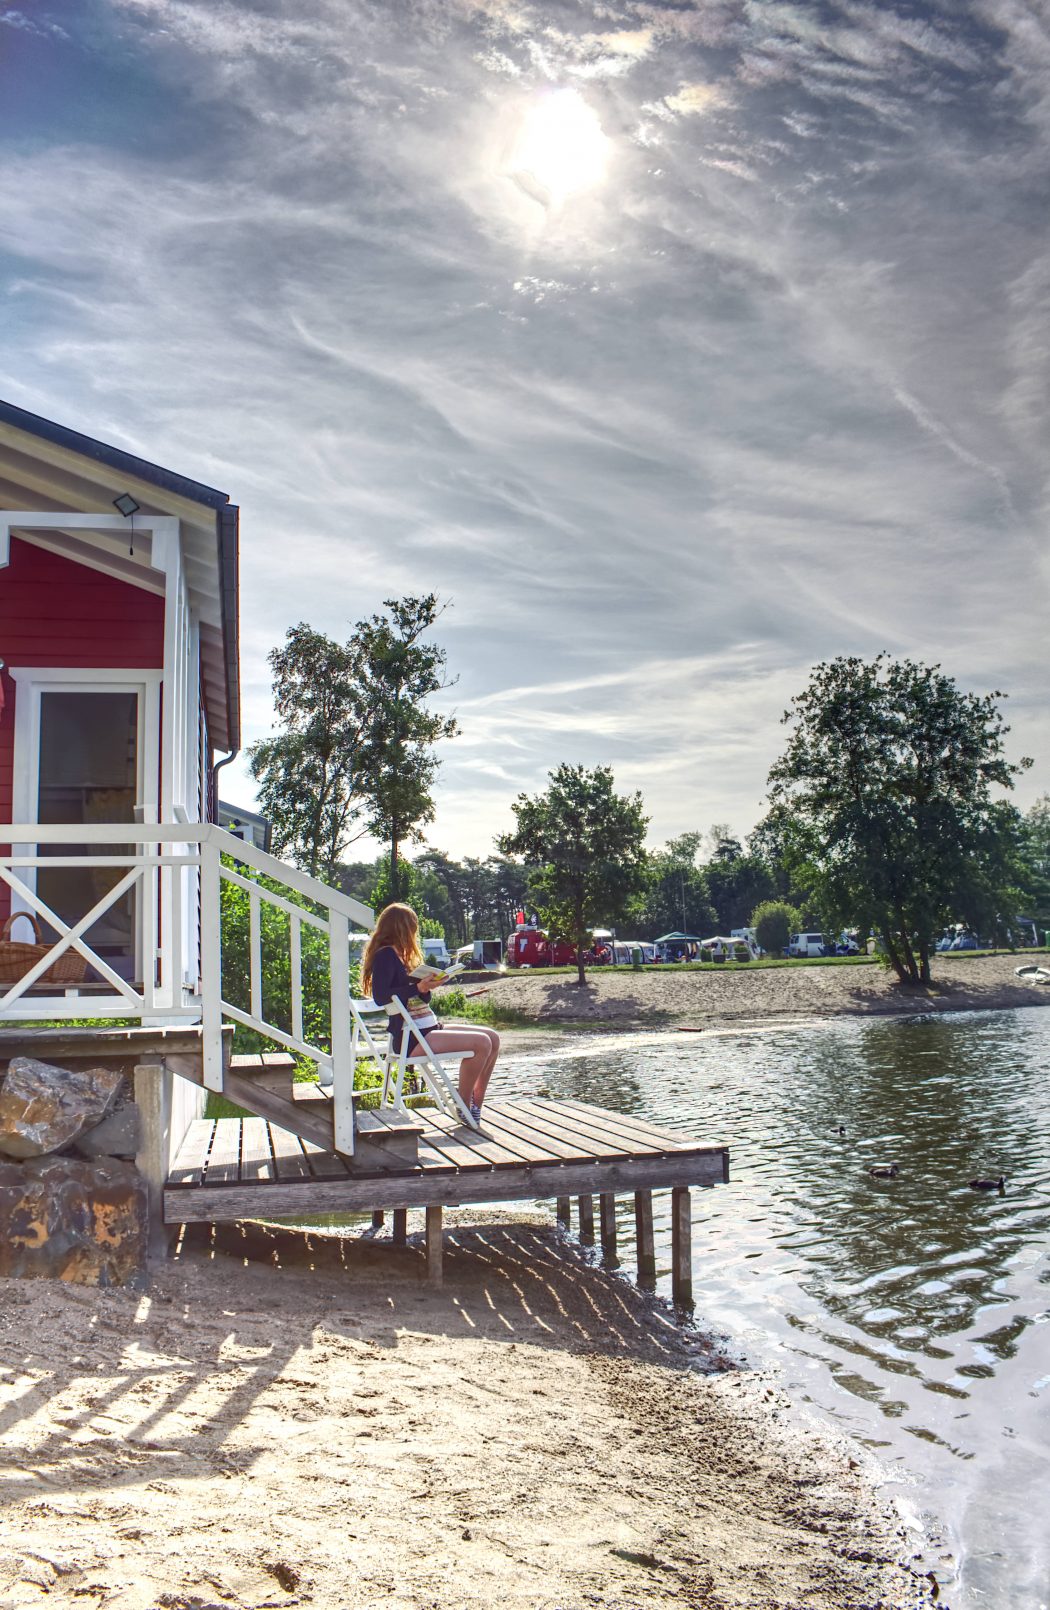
x=55, y=612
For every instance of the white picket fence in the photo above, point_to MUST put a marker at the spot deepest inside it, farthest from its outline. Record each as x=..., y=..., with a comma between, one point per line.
x=175, y=872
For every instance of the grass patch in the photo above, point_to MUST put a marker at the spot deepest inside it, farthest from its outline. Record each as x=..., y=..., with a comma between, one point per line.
x=455, y=1002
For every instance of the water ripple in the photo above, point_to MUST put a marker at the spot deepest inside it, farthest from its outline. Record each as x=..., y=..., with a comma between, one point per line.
x=893, y=1303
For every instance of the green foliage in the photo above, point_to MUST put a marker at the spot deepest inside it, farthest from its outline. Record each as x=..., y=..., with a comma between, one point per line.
x=882, y=805
x=674, y=895
x=774, y=921
x=274, y=926
x=736, y=882
x=397, y=671
x=1035, y=847
x=311, y=785
x=583, y=845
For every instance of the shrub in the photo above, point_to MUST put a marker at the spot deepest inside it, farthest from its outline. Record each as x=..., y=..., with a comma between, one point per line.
x=774, y=921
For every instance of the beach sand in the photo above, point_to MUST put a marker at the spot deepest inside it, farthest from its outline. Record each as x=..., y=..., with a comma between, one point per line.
x=721, y=997
x=314, y=1425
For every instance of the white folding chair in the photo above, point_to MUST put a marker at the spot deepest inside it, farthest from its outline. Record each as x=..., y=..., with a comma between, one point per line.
x=427, y=1064
x=368, y=1037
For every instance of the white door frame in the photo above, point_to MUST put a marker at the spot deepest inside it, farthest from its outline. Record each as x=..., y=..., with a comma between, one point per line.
x=33, y=680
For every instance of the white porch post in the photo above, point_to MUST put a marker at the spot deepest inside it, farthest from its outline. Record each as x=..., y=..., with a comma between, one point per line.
x=211, y=965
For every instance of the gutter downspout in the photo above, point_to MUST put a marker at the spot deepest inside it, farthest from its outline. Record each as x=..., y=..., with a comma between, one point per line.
x=216, y=769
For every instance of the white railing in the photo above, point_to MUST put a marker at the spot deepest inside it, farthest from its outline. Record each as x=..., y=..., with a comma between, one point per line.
x=175, y=873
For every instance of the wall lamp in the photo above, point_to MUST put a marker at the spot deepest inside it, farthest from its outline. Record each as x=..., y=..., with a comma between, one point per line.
x=127, y=506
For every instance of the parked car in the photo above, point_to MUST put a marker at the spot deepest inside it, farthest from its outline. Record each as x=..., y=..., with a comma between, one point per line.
x=807, y=945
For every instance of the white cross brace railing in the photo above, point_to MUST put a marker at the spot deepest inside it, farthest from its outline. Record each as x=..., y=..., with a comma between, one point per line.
x=175, y=873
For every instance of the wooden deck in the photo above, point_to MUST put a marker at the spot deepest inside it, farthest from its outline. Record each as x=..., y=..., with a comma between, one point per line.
x=231, y=1168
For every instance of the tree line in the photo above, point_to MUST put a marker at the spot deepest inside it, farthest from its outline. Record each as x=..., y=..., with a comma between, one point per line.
x=886, y=809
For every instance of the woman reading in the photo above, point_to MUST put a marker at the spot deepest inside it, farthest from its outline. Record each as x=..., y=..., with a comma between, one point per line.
x=391, y=953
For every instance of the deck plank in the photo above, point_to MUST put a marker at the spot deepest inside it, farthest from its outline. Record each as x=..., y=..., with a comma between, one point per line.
x=324, y=1165
x=448, y=1148
x=224, y=1159
x=593, y=1138
x=509, y=1154
x=630, y=1124
x=256, y=1162
x=188, y=1167
x=544, y=1145
x=290, y=1160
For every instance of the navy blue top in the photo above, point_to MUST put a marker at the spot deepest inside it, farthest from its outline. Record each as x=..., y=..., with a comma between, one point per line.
x=391, y=981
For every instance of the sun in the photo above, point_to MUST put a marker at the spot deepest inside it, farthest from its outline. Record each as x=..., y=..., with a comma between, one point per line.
x=561, y=147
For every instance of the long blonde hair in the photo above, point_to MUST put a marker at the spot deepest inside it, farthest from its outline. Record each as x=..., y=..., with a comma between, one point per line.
x=398, y=926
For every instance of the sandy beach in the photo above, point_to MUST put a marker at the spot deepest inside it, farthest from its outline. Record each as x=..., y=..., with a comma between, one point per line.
x=288, y=1421
x=715, y=997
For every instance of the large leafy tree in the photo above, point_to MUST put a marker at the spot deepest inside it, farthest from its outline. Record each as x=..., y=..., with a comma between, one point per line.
x=584, y=847
x=883, y=804
x=312, y=784
x=398, y=671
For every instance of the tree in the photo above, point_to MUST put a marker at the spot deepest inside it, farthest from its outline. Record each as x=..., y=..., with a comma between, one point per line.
x=1036, y=845
x=774, y=922
x=736, y=882
x=311, y=784
x=398, y=671
x=584, y=847
x=883, y=806
x=674, y=895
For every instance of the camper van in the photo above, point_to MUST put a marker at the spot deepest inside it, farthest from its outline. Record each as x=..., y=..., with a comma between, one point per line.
x=435, y=951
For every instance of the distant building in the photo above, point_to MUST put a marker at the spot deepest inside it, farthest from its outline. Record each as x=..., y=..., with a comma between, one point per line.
x=246, y=825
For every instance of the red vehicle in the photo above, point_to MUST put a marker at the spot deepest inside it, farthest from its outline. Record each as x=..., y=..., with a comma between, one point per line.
x=530, y=947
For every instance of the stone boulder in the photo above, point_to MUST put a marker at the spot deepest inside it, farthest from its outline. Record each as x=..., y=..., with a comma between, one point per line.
x=118, y=1135
x=84, y=1222
x=44, y=1108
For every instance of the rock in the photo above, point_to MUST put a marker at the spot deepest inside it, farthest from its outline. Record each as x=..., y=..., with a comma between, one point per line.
x=44, y=1108
x=84, y=1222
x=118, y=1135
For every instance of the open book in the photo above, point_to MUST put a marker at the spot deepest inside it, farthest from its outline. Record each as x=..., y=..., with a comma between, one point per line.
x=428, y=975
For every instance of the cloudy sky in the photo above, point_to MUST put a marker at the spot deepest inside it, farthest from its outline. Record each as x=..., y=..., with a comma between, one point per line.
x=678, y=345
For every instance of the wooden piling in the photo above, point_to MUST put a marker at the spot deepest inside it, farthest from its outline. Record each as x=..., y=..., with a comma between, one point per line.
x=681, y=1247
x=607, y=1207
x=378, y=1219
x=586, y=1205
x=644, y=1239
x=400, y=1226
x=565, y=1210
x=434, y=1227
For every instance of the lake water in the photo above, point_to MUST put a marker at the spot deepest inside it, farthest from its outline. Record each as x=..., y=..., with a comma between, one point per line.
x=914, y=1312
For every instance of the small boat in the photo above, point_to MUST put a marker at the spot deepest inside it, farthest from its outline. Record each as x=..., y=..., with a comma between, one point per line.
x=1034, y=973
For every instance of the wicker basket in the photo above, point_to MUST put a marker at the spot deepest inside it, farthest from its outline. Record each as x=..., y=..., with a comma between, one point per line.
x=16, y=958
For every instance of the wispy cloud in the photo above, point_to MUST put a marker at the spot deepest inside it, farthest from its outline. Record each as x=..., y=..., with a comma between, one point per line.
x=772, y=387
